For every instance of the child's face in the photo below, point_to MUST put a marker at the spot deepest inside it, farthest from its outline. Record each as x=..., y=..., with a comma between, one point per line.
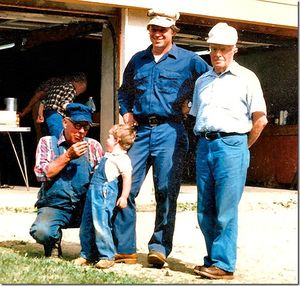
x=110, y=143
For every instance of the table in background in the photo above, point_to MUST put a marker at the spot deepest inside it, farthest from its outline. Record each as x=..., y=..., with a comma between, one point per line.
x=20, y=130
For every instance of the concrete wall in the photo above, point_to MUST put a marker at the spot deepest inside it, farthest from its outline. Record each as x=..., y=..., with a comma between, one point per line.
x=134, y=34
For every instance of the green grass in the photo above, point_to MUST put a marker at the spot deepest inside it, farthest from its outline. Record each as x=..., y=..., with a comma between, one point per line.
x=20, y=267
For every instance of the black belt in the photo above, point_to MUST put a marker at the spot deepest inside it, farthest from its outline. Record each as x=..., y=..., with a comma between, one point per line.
x=212, y=135
x=156, y=120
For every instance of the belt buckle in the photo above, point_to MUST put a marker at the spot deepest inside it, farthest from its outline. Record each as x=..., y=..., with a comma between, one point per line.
x=205, y=136
x=210, y=136
x=153, y=121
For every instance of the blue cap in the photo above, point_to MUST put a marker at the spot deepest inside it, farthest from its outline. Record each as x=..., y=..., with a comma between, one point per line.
x=79, y=112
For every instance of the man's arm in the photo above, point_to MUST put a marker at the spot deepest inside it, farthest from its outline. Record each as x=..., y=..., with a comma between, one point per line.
x=75, y=151
x=259, y=121
x=37, y=97
x=40, y=115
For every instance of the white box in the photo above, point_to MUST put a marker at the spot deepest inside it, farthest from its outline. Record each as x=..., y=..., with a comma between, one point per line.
x=8, y=118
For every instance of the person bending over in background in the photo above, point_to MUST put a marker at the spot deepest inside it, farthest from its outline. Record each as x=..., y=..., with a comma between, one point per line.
x=54, y=95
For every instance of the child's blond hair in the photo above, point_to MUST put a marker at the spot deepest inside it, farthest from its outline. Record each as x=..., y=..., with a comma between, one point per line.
x=124, y=133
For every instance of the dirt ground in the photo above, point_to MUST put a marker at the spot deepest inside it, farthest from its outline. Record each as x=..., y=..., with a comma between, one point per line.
x=267, y=242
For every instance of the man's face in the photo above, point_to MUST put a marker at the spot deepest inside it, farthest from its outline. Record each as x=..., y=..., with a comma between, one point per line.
x=221, y=56
x=75, y=131
x=160, y=37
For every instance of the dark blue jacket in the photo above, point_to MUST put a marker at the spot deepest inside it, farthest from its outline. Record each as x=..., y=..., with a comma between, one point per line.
x=151, y=88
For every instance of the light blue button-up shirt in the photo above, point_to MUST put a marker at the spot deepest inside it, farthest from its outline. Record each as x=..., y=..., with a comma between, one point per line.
x=225, y=102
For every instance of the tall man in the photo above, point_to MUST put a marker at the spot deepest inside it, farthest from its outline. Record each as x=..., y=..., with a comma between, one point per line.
x=64, y=166
x=230, y=113
x=156, y=82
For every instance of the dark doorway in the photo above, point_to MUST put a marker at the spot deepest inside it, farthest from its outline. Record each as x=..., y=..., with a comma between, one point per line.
x=22, y=71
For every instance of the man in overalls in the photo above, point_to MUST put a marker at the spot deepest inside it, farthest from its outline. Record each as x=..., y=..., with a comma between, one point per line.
x=64, y=166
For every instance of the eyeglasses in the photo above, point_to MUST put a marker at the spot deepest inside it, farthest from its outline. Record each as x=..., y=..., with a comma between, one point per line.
x=78, y=125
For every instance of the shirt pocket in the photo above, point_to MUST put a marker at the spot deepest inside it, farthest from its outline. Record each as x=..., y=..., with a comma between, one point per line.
x=169, y=82
x=141, y=82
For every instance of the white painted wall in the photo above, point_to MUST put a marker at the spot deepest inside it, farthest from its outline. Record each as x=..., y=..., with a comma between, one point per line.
x=135, y=37
x=134, y=34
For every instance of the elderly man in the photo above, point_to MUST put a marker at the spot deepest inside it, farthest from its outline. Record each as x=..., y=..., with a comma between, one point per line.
x=156, y=82
x=64, y=166
x=230, y=113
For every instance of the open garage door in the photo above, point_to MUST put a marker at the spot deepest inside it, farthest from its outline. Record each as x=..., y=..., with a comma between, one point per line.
x=36, y=45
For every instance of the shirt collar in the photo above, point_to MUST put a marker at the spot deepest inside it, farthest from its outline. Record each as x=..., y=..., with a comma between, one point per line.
x=172, y=53
x=115, y=153
x=234, y=68
x=62, y=139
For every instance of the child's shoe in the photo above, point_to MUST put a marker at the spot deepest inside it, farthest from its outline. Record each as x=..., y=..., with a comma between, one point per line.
x=104, y=264
x=80, y=261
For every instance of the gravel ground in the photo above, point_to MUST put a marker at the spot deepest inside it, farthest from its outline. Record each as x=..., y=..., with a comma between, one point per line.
x=267, y=243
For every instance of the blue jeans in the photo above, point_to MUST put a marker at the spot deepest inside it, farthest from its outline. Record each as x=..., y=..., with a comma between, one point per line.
x=163, y=147
x=96, y=227
x=49, y=222
x=221, y=169
x=53, y=122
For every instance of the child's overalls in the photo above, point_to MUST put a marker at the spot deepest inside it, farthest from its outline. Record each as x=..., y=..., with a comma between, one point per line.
x=96, y=227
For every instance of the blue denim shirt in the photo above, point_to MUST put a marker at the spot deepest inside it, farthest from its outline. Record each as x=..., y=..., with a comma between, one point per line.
x=151, y=88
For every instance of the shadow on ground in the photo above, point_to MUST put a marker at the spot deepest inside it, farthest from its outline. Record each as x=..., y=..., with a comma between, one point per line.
x=29, y=249
x=72, y=250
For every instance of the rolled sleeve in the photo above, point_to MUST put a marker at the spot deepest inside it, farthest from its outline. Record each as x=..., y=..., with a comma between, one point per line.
x=44, y=155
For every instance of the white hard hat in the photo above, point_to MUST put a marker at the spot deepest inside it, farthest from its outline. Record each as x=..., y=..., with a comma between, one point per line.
x=222, y=34
x=161, y=18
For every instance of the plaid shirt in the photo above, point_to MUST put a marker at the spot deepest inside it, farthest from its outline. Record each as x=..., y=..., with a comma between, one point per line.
x=58, y=93
x=45, y=155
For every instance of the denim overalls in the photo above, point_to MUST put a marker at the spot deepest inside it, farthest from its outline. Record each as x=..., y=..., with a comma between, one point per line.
x=60, y=201
x=96, y=227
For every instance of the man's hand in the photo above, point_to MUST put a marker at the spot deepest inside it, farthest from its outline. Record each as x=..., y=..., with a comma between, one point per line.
x=40, y=119
x=129, y=119
x=77, y=150
x=185, y=108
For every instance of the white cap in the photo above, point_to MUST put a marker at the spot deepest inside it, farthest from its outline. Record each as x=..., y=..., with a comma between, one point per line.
x=164, y=19
x=222, y=34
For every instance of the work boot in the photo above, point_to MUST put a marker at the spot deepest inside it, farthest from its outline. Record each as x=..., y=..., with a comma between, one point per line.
x=56, y=251
x=53, y=251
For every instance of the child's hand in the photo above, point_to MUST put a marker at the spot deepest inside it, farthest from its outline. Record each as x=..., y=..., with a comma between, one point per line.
x=122, y=202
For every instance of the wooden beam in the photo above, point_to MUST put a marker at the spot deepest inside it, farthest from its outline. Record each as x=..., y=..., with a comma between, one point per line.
x=258, y=28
